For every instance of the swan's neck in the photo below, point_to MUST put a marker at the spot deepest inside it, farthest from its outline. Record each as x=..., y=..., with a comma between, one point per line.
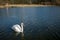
x=22, y=27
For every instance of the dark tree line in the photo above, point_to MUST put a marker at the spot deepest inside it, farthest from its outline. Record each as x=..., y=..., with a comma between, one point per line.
x=26, y=1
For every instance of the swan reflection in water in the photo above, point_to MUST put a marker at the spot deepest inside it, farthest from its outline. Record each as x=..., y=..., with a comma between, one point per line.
x=18, y=29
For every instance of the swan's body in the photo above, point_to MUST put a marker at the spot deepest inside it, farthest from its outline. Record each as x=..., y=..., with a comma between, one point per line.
x=18, y=28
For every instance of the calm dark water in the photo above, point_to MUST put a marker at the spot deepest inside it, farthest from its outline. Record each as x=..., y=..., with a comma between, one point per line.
x=40, y=23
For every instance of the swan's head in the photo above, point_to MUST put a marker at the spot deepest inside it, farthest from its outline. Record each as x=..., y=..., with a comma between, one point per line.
x=22, y=23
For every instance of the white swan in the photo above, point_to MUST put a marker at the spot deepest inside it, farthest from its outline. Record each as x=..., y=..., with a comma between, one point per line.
x=17, y=28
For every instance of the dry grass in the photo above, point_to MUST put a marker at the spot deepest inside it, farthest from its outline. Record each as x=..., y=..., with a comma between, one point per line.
x=22, y=5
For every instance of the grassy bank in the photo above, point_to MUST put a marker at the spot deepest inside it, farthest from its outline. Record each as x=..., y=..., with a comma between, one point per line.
x=22, y=5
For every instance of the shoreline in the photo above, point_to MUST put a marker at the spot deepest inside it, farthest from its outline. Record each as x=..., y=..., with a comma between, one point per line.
x=23, y=5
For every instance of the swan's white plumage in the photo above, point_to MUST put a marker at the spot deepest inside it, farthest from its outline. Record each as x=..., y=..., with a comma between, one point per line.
x=18, y=28
x=22, y=27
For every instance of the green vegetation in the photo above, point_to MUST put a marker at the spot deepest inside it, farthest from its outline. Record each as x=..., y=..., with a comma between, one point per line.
x=29, y=2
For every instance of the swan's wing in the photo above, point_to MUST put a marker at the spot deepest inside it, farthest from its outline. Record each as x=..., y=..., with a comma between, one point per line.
x=16, y=28
x=19, y=27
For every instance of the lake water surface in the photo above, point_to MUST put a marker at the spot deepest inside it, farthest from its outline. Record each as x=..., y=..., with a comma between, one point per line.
x=40, y=23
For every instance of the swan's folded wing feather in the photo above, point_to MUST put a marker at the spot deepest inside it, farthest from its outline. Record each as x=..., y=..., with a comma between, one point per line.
x=16, y=28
